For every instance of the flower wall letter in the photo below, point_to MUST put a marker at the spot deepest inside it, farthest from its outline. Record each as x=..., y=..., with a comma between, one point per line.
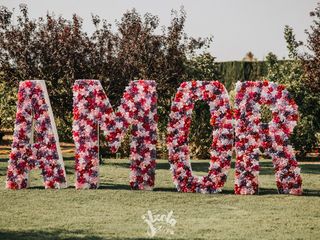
x=91, y=109
x=273, y=137
x=215, y=94
x=36, y=143
x=38, y=149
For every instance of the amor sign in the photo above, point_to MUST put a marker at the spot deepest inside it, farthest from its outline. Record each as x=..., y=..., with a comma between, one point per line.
x=36, y=144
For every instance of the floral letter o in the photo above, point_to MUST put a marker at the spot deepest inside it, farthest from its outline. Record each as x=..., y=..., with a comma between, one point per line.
x=34, y=111
x=217, y=97
x=272, y=137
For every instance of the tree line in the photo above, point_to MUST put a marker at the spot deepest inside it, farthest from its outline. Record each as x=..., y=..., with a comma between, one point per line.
x=59, y=50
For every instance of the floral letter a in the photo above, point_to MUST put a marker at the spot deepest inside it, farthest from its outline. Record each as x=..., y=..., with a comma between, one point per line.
x=34, y=111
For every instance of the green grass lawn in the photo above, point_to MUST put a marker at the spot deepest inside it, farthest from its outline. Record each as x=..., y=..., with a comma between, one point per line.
x=115, y=212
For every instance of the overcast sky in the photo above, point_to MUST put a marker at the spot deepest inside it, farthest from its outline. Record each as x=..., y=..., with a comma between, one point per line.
x=238, y=26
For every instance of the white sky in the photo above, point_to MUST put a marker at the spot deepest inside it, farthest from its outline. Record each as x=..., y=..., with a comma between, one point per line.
x=238, y=26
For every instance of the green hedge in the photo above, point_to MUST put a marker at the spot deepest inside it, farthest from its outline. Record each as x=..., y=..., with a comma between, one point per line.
x=234, y=71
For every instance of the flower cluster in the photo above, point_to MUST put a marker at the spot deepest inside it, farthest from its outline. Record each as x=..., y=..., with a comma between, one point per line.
x=91, y=109
x=34, y=111
x=273, y=137
x=217, y=97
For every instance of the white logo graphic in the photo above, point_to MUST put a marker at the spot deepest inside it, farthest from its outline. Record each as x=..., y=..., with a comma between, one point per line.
x=157, y=223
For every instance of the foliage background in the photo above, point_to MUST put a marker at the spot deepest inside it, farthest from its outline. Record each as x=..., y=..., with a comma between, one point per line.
x=59, y=51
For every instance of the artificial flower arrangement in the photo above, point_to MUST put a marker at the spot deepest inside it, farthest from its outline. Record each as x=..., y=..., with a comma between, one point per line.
x=138, y=109
x=34, y=112
x=91, y=109
x=273, y=137
x=215, y=94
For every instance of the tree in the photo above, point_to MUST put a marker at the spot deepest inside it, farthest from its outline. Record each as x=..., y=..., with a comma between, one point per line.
x=201, y=67
x=8, y=99
x=311, y=60
x=292, y=74
x=59, y=51
x=249, y=57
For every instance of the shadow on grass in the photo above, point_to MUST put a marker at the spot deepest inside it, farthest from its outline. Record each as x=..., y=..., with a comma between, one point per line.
x=3, y=171
x=69, y=169
x=309, y=159
x=114, y=186
x=266, y=168
x=262, y=191
x=4, y=159
x=274, y=191
x=68, y=158
x=310, y=168
x=56, y=234
x=127, y=187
